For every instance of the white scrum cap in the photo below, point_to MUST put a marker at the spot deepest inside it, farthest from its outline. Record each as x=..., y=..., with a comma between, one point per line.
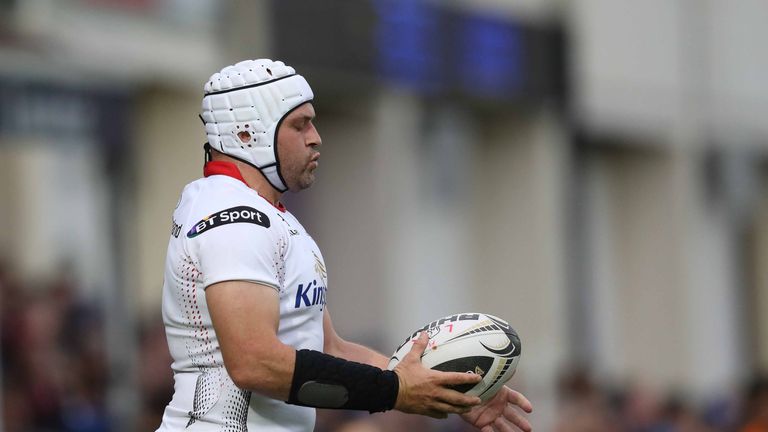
x=252, y=98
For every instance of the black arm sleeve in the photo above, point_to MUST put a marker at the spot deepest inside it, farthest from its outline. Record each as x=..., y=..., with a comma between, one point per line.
x=324, y=381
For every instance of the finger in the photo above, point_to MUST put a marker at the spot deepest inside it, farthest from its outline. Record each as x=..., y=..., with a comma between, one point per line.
x=517, y=398
x=488, y=428
x=448, y=408
x=517, y=419
x=454, y=378
x=459, y=399
x=419, y=345
x=502, y=426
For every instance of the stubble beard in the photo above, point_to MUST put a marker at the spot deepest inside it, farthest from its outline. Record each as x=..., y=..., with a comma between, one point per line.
x=304, y=180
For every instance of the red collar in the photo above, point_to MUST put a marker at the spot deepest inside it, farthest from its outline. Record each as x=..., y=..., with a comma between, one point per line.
x=231, y=170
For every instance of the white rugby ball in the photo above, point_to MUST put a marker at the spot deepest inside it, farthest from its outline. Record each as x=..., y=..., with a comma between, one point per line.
x=468, y=342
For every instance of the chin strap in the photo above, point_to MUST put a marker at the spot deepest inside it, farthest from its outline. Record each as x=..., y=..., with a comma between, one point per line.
x=207, y=155
x=206, y=146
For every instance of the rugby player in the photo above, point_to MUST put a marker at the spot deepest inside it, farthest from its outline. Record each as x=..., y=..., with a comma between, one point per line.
x=244, y=297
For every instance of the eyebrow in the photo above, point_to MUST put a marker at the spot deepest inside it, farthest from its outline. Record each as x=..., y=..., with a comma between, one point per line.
x=305, y=117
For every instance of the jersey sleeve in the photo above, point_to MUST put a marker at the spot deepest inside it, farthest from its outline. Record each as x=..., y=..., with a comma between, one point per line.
x=239, y=243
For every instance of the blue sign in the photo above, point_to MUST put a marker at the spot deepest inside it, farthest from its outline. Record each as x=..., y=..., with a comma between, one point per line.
x=408, y=41
x=430, y=49
x=490, y=56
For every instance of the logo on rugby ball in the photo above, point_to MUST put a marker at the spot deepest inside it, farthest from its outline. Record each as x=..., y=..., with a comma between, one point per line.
x=506, y=352
x=513, y=341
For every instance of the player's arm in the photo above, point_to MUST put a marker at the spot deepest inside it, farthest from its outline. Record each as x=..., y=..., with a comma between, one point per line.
x=336, y=346
x=245, y=317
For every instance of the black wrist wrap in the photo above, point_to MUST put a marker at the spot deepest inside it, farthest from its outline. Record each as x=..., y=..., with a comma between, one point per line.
x=324, y=381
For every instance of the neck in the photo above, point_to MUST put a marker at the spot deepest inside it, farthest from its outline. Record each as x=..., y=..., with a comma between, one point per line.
x=253, y=178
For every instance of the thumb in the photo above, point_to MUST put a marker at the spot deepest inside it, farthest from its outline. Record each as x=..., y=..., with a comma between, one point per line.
x=419, y=345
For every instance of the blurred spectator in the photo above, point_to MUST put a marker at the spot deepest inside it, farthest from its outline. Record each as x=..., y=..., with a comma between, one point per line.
x=642, y=410
x=756, y=406
x=360, y=425
x=677, y=416
x=54, y=364
x=722, y=412
x=582, y=407
x=155, y=374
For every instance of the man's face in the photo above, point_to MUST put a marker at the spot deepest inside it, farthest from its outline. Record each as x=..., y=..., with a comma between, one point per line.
x=297, y=144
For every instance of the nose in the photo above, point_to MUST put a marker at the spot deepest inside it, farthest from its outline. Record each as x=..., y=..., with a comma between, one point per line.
x=313, y=139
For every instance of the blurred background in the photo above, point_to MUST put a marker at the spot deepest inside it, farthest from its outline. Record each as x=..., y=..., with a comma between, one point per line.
x=593, y=171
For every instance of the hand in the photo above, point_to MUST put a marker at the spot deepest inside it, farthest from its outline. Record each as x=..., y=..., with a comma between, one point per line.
x=499, y=414
x=424, y=391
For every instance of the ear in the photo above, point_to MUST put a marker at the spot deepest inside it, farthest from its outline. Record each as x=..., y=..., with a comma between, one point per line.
x=245, y=137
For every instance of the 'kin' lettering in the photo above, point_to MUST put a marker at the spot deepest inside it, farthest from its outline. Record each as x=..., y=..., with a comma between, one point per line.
x=310, y=295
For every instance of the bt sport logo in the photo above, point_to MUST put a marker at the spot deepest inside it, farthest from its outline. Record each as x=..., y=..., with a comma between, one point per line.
x=239, y=214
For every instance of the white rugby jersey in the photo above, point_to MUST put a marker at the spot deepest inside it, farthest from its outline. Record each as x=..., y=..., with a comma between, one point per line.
x=223, y=230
